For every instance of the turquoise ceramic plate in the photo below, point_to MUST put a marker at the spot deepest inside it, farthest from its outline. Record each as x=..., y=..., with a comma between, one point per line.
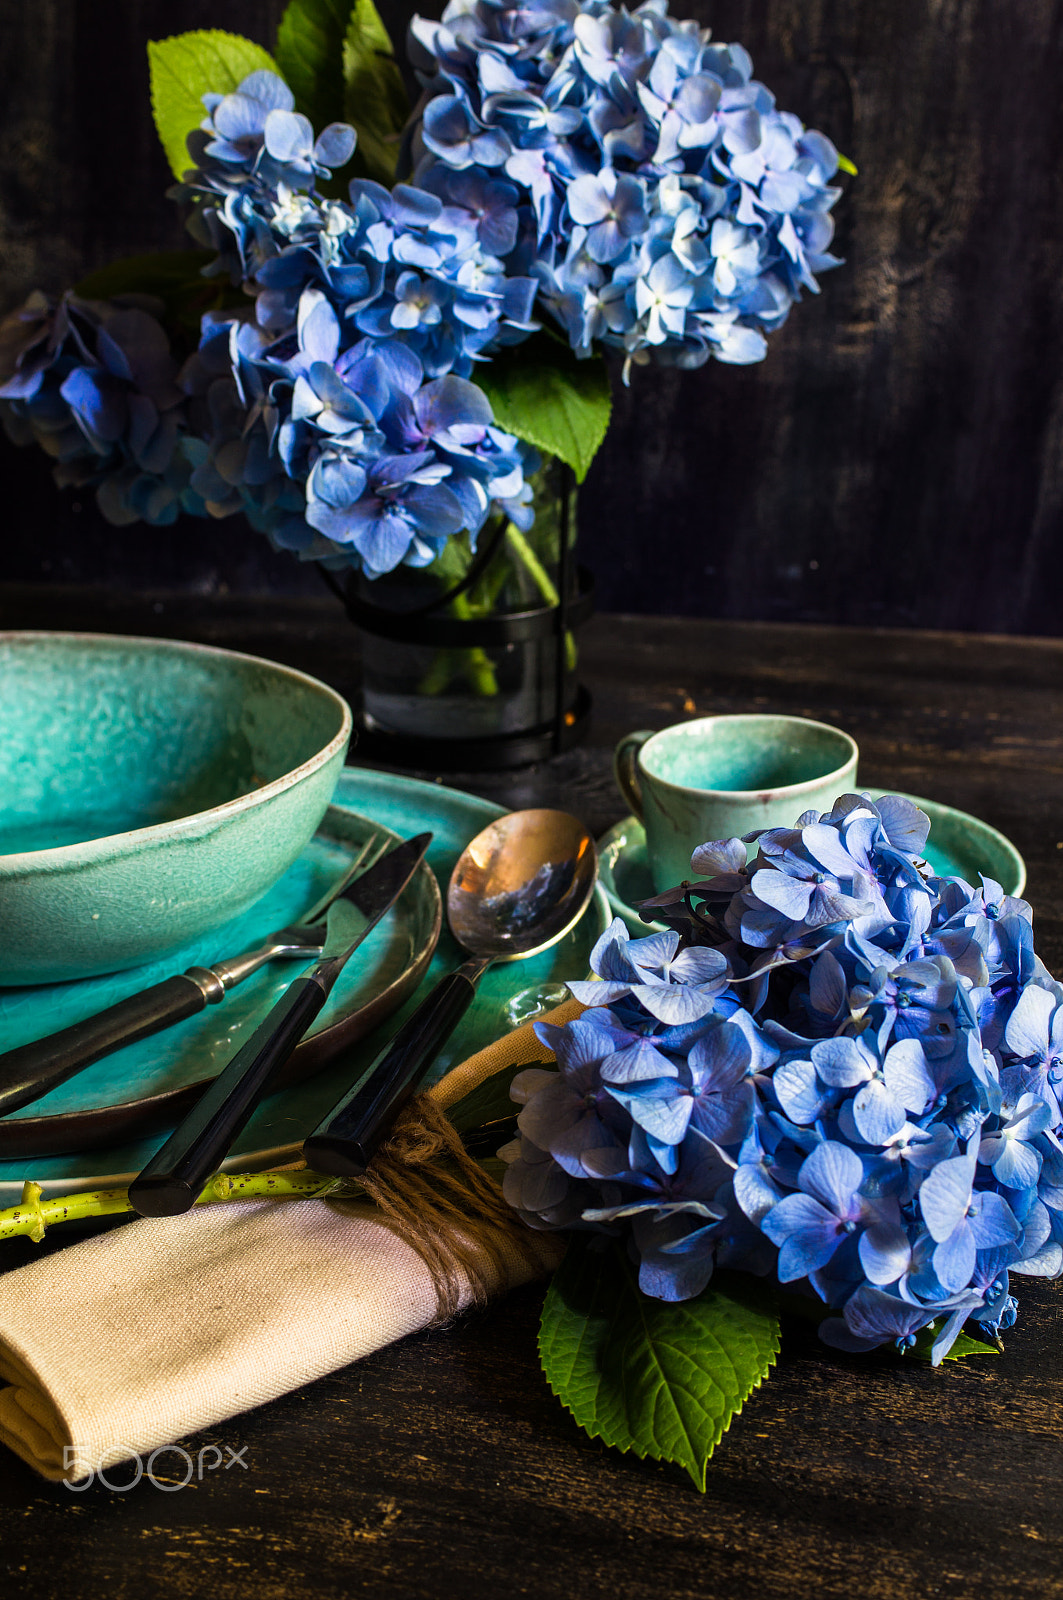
x=959, y=846
x=278, y=1127
x=149, y=1085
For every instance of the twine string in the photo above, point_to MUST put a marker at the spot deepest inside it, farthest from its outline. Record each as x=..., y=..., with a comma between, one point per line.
x=445, y=1206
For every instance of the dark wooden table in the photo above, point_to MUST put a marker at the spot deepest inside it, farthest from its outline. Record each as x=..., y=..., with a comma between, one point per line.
x=443, y=1465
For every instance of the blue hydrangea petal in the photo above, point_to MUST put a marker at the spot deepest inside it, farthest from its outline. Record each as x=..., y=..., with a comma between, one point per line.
x=992, y=1221
x=884, y=1251
x=755, y=1192
x=877, y=1113
x=673, y=1004
x=832, y=1173
x=1027, y=1031
x=656, y=1107
x=698, y=965
x=288, y=136
x=945, y=1195
x=906, y=827
x=841, y=1062
x=98, y=402
x=319, y=330
x=639, y=1062
x=1015, y=1164
x=595, y=992
x=800, y=1092
x=719, y=857
x=807, y=1235
x=608, y=957
x=791, y=896
x=954, y=1260
x=335, y=145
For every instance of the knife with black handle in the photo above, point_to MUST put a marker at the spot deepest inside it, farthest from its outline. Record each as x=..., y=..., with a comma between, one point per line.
x=174, y=1178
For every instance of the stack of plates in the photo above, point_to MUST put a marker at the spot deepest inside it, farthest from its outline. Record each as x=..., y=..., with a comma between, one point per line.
x=99, y=1129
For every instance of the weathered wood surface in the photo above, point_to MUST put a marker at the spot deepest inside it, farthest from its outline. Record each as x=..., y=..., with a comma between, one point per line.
x=897, y=460
x=443, y=1466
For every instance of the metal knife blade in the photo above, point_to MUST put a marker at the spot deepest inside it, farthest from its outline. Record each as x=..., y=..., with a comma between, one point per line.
x=353, y=910
x=356, y=870
x=172, y=1179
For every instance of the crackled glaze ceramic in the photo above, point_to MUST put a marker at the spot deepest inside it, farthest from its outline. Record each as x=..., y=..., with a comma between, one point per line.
x=722, y=777
x=149, y=791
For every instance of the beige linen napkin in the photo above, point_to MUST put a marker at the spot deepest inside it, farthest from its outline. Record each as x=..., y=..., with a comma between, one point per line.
x=139, y=1337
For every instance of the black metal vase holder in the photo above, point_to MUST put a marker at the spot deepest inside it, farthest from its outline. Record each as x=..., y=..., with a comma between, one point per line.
x=422, y=625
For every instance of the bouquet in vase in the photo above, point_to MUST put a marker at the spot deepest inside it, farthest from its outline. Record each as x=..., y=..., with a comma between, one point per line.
x=395, y=316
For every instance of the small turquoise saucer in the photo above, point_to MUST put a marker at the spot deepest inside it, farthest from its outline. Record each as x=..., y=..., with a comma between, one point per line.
x=960, y=846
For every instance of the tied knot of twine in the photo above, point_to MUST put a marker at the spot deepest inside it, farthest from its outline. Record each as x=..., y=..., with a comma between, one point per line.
x=445, y=1206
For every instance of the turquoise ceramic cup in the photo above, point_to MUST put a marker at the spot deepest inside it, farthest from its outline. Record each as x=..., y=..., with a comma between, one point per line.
x=721, y=777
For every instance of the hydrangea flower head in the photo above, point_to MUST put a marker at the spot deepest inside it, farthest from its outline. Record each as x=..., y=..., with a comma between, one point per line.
x=669, y=208
x=94, y=384
x=884, y=1119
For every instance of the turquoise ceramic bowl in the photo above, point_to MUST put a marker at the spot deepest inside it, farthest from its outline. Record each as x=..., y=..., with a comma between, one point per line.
x=149, y=791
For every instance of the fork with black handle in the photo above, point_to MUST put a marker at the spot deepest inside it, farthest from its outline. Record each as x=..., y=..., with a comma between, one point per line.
x=174, y=1177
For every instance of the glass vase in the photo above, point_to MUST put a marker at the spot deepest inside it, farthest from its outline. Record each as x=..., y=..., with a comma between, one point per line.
x=474, y=657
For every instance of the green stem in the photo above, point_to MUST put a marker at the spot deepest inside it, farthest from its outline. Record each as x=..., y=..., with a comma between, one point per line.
x=439, y=673
x=472, y=662
x=476, y=663
x=524, y=552
x=32, y=1216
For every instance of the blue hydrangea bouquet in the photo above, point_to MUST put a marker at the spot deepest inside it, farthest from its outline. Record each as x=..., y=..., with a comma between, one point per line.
x=370, y=370
x=833, y=1083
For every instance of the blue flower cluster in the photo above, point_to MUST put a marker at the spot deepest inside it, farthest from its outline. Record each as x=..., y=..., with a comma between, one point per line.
x=396, y=265
x=94, y=384
x=336, y=410
x=617, y=169
x=670, y=209
x=833, y=1066
x=344, y=453
x=339, y=414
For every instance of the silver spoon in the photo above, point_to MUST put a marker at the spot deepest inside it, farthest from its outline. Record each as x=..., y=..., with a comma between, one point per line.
x=518, y=888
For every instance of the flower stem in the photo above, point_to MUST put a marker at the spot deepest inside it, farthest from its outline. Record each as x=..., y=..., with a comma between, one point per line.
x=475, y=662
x=32, y=1216
x=543, y=582
x=524, y=552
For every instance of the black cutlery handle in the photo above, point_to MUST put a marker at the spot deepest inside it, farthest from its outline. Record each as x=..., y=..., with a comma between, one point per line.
x=344, y=1143
x=33, y=1069
x=174, y=1178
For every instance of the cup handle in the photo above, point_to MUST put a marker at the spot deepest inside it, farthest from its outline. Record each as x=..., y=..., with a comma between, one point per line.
x=625, y=768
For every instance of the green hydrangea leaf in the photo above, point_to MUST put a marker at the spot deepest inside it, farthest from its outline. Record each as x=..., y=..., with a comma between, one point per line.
x=663, y=1379
x=310, y=57
x=488, y=1102
x=544, y=394
x=962, y=1346
x=185, y=68
x=375, y=100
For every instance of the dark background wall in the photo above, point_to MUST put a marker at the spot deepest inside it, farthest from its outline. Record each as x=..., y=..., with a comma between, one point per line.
x=897, y=459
